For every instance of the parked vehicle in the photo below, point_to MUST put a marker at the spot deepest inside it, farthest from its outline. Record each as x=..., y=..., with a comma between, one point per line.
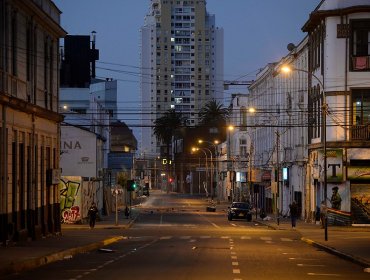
x=241, y=210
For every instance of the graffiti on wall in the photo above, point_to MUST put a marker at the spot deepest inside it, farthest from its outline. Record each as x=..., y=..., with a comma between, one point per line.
x=69, y=190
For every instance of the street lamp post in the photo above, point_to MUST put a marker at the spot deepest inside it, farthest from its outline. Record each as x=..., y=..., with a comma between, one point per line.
x=288, y=69
x=200, y=149
x=215, y=170
x=229, y=129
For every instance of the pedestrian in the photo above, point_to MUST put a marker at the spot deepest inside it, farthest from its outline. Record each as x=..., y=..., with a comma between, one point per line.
x=323, y=211
x=336, y=200
x=293, y=213
x=127, y=212
x=93, y=211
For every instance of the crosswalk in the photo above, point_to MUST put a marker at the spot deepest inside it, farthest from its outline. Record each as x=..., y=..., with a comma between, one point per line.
x=266, y=239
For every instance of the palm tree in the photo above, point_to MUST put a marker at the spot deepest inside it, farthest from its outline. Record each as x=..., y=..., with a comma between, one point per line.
x=166, y=126
x=213, y=114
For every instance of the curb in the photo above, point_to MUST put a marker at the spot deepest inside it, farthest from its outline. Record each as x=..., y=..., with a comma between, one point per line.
x=16, y=267
x=333, y=251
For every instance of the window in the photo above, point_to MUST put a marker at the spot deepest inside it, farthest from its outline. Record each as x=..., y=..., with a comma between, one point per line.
x=360, y=44
x=243, y=147
x=361, y=107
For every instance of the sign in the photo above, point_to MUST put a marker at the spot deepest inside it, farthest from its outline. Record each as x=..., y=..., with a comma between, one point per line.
x=358, y=173
x=334, y=167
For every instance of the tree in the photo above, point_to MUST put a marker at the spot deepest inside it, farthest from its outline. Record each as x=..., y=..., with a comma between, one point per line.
x=166, y=126
x=213, y=114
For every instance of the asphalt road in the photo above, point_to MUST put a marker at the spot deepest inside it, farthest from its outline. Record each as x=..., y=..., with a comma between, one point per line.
x=174, y=238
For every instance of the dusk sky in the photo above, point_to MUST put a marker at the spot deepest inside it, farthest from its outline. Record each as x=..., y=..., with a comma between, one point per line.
x=256, y=32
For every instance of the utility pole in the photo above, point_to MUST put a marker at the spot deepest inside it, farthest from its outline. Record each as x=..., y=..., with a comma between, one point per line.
x=277, y=177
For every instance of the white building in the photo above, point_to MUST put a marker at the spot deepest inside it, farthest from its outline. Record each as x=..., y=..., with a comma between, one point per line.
x=331, y=64
x=182, y=64
x=339, y=54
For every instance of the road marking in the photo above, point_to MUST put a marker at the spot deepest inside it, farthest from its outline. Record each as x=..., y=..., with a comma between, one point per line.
x=303, y=264
x=225, y=237
x=269, y=242
x=165, y=237
x=205, y=237
x=192, y=240
x=234, y=263
x=232, y=253
x=290, y=253
x=185, y=237
x=246, y=237
x=322, y=274
x=286, y=239
x=216, y=226
x=302, y=259
x=234, y=225
x=236, y=271
x=234, y=257
x=265, y=238
x=367, y=270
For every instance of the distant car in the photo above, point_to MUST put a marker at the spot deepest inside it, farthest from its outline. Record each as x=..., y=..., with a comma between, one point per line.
x=241, y=210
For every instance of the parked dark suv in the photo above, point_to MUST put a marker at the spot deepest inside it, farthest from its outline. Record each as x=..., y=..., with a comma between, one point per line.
x=239, y=210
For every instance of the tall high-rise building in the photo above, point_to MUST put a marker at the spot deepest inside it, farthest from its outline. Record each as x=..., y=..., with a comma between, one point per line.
x=181, y=61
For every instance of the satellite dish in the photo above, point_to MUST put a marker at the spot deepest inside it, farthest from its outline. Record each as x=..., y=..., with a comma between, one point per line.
x=291, y=47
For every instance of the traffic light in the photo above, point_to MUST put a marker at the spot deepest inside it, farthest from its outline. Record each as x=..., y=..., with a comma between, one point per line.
x=131, y=185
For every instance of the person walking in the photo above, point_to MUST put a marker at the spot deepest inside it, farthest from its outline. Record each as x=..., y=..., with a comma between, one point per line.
x=293, y=213
x=93, y=211
x=323, y=211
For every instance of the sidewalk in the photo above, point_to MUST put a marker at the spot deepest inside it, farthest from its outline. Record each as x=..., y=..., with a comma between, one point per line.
x=74, y=239
x=351, y=243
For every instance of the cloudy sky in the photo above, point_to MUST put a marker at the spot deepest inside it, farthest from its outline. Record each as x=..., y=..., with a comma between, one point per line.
x=256, y=33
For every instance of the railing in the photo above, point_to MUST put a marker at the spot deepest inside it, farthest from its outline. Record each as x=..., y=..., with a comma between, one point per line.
x=360, y=132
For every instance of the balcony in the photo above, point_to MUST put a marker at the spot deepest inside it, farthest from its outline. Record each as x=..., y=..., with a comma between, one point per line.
x=360, y=132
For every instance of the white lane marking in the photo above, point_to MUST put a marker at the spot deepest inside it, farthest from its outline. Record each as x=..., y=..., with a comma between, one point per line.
x=235, y=263
x=236, y=271
x=192, y=240
x=302, y=259
x=165, y=237
x=367, y=270
x=232, y=253
x=234, y=257
x=303, y=264
x=322, y=274
x=234, y=225
x=216, y=226
x=286, y=239
x=225, y=237
x=246, y=237
x=185, y=237
x=266, y=238
x=231, y=248
x=290, y=253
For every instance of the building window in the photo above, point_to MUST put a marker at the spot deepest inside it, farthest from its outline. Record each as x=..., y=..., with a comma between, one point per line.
x=360, y=114
x=360, y=45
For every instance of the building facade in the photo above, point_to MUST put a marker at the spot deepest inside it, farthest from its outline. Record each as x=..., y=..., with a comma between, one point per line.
x=182, y=64
x=339, y=52
x=29, y=128
x=321, y=105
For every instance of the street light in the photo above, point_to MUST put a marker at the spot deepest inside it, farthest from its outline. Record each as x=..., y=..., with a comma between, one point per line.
x=230, y=128
x=195, y=149
x=214, y=144
x=287, y=69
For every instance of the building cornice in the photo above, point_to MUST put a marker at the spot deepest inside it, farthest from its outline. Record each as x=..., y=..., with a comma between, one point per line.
x=26, y=107
x=317, y=16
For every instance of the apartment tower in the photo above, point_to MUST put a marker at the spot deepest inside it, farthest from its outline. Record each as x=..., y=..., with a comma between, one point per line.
x=181, y=62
